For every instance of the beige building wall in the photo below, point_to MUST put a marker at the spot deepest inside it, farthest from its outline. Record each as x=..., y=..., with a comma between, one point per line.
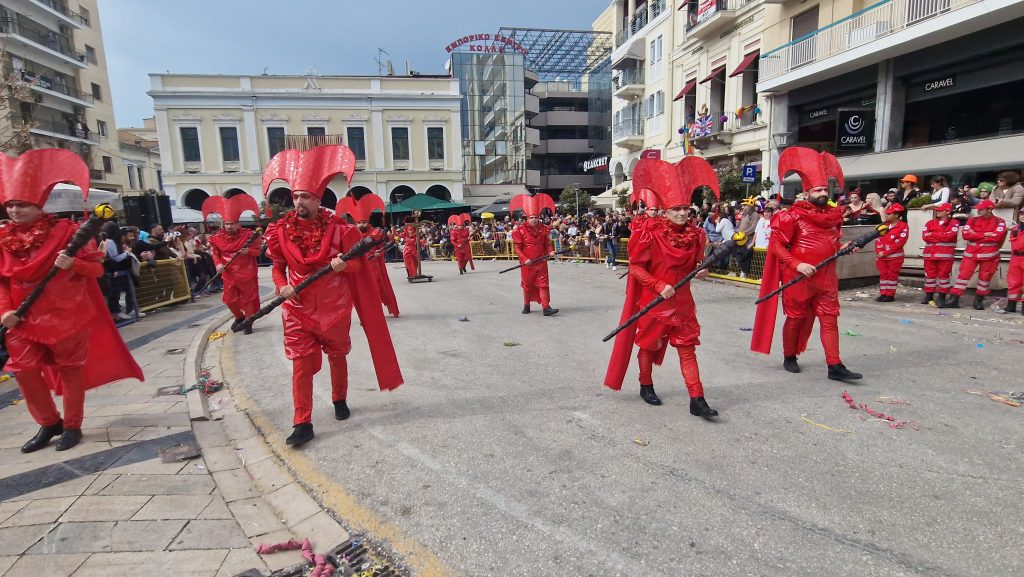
x=256, y=107
x=140, y=157
x=100, y=117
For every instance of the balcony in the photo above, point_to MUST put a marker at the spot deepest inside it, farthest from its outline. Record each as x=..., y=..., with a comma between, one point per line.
x=629, y=134
x=641, y=18
x=57, y=128
x=44, y=42
x=56, y=86
x=716, y=17
x=884, y=30
x=305, y=142
x=531, y=105
x=60, y=10
x=628, y=84
x=710, y=131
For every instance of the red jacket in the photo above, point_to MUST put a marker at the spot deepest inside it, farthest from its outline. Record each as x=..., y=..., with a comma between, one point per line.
x=240, y=280
x=531, y=243
x=410, y=237
x=980, y=246
x=940, y=238
x=1017, y=240
x=890, y=244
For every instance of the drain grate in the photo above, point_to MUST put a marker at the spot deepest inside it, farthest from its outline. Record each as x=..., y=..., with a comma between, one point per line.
x=354, y=558
x=175, y=351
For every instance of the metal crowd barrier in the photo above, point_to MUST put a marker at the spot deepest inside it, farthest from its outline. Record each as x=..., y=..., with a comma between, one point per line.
x=162, y=284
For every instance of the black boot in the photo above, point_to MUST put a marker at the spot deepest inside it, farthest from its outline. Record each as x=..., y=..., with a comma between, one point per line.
x=841, y=373
x=927, y=298
x=979, y=303
x=1011, y=307
x=789, y=363
x=247, y=330
x=69, y=439
x=881, y=299
x=526, y=309
x=699, y=408
x=952, y=302
x=341, y=411
x=548, y=311
x=301, y=434
x=43, y=437
x=648, y=395
x=235, y=325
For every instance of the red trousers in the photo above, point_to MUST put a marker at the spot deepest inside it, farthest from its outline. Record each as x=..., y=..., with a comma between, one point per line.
x=411, y=262
x=936, y=275
x=1015, y=278
x=888, y=274
x=796, y=331
x=687, y=364
x=986, y=270
x=244, y=308
x=305, y=347
x=67, y=357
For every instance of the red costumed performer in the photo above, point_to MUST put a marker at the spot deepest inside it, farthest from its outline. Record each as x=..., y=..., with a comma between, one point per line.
x=66, y=342
x=939, y=236
x=985, y=235
x=459, y=234
x=317, y=320
x=360, y=211
x=889, y=254
x=661, y=252
x=651, y=204
x=1015, y=273
x=411, y=248
x=806, y=234
x=241, y=285
x=532, y=240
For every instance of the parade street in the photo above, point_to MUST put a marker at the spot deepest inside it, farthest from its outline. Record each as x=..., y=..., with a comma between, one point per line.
x=503, y=453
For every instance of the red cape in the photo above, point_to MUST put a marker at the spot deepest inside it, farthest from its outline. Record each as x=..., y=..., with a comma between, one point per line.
x=764, y=317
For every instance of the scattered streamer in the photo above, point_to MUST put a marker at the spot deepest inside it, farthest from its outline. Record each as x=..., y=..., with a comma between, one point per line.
x=892, y=421
x=826, y=427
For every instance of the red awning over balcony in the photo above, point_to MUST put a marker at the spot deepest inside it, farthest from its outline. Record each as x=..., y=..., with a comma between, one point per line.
x=714, y=73
x=747, y=61
x=686, y=89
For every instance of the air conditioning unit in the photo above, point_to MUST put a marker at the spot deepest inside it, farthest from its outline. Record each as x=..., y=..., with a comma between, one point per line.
x=865, y=34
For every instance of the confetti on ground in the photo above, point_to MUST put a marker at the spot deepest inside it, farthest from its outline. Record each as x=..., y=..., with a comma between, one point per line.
x=906, y=321
x=17, y=401
x=511, y=344
x=205, y=384
x=463, y=319
x=980, y=345
x=892, y=401
x=806, y=420
x=851, y=333
x=746, y=329
x=892, y=349
x=5, y=378
x=216, y=335
x=1008, y=398
x=892, y=421
x=641, y=441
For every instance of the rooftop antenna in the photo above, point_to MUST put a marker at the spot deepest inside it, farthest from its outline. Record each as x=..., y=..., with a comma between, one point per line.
x=381, y=64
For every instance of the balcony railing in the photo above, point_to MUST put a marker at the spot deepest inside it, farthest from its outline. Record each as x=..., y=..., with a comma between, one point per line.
x=874, y=22
x=628, y=128
x=56, y=84
x=62, y=8
x=305, y=142
x=629, y=76
x=640, y=19
x=40, y=35
x=61, y=127
x=720, y=6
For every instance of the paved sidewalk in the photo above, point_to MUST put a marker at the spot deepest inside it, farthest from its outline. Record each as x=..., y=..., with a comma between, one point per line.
x=111, y=507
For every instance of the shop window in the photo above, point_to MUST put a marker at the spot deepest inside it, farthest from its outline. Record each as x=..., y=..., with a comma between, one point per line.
x=981, y=113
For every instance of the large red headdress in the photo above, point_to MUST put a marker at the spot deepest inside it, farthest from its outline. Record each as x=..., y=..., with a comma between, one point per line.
x=458, y=219
x=312, y=170
x=814, y=167
x=361, y=209
x=31, y=176
x=531, y=205
x=230, y=209
x=673, y=184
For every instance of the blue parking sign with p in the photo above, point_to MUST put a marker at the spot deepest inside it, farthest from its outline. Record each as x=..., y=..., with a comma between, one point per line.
x=749, y=173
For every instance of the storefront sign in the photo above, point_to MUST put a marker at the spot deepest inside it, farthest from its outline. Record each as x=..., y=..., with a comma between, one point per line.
x=652, y=153
x=488, y=43
x=940, y=83
x=600, y=163
x=820, y=114
x=855, y=130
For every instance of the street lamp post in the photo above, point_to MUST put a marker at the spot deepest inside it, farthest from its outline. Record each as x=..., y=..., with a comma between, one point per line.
x=576, y=189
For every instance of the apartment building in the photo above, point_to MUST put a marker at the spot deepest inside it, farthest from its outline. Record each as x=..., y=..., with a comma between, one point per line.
x=217, y=132
x=140, y=155
x=926, y=87
x=56, y=51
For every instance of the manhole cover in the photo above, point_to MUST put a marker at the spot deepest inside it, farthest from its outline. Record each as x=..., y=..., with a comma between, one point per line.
x=168, y=391
x=182, y=452
x=353, y=557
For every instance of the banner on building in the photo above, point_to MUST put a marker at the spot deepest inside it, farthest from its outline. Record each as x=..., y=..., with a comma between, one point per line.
x=706, y=9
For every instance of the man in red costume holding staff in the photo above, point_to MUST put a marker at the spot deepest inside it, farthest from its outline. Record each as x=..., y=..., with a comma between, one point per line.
x=532, y=241
x=241, y=285
x=360, y=211
x=66, y=342
x=662, y=251
x=411, y=248
x=459, y=235
x=318, y=319
x=807, y=233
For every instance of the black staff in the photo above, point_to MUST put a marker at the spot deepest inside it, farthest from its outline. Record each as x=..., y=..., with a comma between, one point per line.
x=857, y=243
x=536, y=260
x=726, y=248
x=245, y=246
x=358, y=249
x=82, y=236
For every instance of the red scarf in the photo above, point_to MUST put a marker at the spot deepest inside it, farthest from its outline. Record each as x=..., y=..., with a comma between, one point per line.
x=306, y=234
x=821, y=216
x=21, y=239
x=28, y=242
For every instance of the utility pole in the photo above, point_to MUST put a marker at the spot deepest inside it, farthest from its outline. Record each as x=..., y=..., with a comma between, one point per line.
x=576, y=189
x=381, y=61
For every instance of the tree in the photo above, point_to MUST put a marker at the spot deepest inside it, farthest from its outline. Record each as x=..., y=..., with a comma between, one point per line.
x=14, y=130
x=572, y=197
x=276, y=211
x=621, y=197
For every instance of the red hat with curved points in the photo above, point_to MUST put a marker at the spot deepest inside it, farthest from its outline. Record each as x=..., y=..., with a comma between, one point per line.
x=230, y=209
x=814, y=167
x=458, y=219
x=531, y=205
x=31, y=176
x=361, y=209
x=673, y=184
x=312, y=170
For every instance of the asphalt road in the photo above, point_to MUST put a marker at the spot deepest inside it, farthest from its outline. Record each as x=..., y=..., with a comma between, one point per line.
x=515, y=460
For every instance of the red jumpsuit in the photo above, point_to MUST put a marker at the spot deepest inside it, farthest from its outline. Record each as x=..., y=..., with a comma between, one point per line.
x=530, y=243
x=375, y=260
x=460, y=240
x=982, y=252
x=318, y=318
x=66, y=341
x=1015, y=276
x=411, y=250
x=889, y=257
x=660, y=254
x=940, y=242
x=241, y=287
x=805, y=233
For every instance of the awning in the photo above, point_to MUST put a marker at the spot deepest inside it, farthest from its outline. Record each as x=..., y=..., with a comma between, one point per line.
x=68, y=198
x=711, y=76
x=690, y=85
x=633, y=52
x=181, y=215
x=747, y=61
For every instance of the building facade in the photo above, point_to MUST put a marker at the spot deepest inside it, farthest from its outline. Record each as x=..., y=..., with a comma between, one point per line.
x=927, y=87
x=217, y=133
x=140, y=155
x=54, y=54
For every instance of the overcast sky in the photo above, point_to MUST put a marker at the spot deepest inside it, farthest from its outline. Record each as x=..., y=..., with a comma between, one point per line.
x=290, y=36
